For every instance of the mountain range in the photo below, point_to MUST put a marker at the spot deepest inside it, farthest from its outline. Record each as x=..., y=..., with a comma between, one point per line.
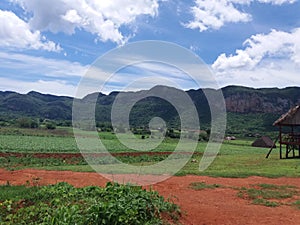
x=248, y=110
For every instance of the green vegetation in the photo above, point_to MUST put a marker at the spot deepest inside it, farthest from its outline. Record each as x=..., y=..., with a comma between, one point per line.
x=268, y=194
x=297, y=204
x=203, y=185
x=24, y=122
x=50, y=125
x=251, y=124
x=236, y=158
x=37, y=144
x=65, y=204
x=36, y=109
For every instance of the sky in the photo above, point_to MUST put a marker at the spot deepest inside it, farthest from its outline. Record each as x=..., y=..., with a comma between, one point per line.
x=49, y=46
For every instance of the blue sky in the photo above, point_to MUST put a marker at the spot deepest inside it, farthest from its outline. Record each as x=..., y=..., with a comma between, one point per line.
x=48, y=46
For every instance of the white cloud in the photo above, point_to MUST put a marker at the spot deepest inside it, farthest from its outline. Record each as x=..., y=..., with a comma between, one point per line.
x=282, y=73
x=55, y=87
x=39, y=66
x=102, y=18
x=276, y=44
x=277, y=2
x=268, y=60
x=16, y=33
x=214, y=14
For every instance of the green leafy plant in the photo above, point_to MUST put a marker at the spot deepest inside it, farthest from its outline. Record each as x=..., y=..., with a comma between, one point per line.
x=64, y=204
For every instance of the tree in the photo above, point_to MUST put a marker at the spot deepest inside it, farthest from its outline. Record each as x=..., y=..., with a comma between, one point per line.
x=25, y=122
x=50, y=125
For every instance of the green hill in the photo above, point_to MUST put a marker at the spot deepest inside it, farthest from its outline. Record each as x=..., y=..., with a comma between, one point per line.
x=249, y=110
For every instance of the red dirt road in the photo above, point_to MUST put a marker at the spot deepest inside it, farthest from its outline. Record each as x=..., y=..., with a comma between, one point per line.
x=209, y=206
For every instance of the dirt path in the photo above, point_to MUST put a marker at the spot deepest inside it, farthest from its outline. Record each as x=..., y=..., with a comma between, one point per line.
x=209, y=206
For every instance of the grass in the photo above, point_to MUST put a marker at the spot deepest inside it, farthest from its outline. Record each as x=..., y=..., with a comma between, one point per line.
x=269, y=194
x=203, y=185
x=244, y=161
x=297, y=204
x=264, y=202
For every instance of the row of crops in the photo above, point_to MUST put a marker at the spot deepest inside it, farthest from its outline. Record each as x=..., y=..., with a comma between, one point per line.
x=60, y=144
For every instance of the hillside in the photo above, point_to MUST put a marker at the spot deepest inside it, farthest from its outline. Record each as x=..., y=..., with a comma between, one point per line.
x=249, y=110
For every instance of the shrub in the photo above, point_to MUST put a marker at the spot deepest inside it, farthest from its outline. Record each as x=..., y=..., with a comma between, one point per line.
x=64, y=204
x=25, y=122
x=50, y=125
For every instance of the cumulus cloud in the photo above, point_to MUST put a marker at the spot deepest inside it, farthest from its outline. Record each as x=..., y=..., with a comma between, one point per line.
x=16, y=33
x=267, y=60
x=213, y=14
x=102, y=18
x=276, y=44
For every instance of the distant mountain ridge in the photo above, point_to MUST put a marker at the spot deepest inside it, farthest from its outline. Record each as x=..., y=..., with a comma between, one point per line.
x=264, y=100
x=239, y=101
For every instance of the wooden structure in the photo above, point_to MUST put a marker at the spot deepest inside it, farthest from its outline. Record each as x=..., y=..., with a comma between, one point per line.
x=289, y=136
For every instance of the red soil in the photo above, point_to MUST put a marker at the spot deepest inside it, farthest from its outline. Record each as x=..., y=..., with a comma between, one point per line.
x=209, y=206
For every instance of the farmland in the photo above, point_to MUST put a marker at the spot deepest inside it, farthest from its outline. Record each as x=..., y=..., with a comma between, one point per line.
x=59, y=152
x=32, y=158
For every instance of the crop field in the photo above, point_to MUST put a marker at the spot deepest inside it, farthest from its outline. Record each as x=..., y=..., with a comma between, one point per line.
x=58, y=151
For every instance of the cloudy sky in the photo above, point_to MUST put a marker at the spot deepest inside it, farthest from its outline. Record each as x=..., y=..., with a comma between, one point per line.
x=48, y=46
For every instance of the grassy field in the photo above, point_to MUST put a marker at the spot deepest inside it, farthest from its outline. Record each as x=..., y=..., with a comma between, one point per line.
x=236, y=158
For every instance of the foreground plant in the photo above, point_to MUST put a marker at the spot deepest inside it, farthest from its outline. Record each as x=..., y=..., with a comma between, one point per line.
x=64, y=204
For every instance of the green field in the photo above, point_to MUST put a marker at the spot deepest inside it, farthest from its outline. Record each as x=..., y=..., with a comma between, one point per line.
x=236, y=158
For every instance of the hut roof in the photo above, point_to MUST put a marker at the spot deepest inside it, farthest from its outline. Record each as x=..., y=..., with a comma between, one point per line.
x=264, y=142
x=292, y=117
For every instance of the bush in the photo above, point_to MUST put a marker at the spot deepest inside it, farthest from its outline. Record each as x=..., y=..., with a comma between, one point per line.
x=50, y=125
x=25, y=122
x=64, y=204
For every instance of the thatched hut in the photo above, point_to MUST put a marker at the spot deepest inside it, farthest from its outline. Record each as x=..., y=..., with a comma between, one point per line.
x=289, y=133
x=264, y=142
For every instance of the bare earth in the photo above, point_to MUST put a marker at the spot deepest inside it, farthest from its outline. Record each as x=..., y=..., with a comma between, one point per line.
x=209, y=206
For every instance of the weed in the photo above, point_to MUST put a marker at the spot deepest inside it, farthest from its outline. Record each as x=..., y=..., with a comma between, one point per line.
x=261, y=194
x=264, y=202
x=297, y=204
x=203, y=185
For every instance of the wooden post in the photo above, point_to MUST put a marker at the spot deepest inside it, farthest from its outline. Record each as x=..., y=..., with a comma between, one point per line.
x=280, y=141
x=293, y=140
x=294, y=151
